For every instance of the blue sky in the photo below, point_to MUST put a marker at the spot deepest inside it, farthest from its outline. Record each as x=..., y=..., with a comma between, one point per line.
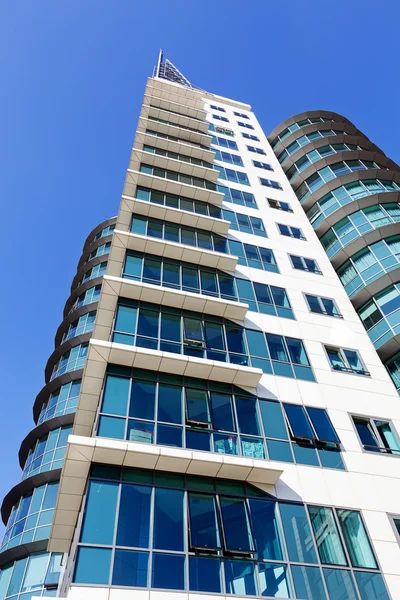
x=73, y=74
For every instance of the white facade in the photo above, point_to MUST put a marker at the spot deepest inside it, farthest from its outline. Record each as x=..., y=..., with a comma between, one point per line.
x=370, y=481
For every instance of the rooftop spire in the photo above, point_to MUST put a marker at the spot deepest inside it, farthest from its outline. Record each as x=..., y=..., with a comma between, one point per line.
x=166, y=70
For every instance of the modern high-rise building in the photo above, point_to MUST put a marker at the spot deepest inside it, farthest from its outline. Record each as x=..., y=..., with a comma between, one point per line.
x=216, y=420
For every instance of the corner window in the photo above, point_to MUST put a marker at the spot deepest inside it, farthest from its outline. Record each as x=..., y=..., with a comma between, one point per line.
x=279, y=205
x=322, y=306
x=289, y=231
x=305, y=264
x=345, y=360
x=376, y=435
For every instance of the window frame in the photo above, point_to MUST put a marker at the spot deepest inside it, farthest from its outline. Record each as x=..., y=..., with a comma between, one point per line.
x=290, y=229
x=381, y=449
x=319, y=298
x=307, y=270
x=348, y=369
x=279, y=207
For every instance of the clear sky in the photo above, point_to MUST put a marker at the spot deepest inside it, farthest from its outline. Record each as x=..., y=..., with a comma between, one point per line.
x=72, y=79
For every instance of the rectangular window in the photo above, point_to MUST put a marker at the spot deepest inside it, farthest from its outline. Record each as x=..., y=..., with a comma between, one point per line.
x=219, y=141
x=231, y=175
x=224, y=131
x=237, y=196
x=249, y=136
x=256, y=150
x=219, y=118
x=270, y=183
x=238, y=114
x=308, y=423
x=233, y=159
x=279, y=205
x=290, y=231
x=322, y=306
x=214, y=107
x=262, y=165
x=247, y=125
x=376, y=435
x=305, y=264
x=244, y=223
x=345, y=360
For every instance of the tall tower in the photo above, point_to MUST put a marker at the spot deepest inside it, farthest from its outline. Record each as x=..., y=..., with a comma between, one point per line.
x=350, y=191
x=215, y=421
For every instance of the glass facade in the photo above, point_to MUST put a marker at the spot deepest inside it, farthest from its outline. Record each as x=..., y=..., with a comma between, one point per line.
x=177, y=331
x=96, y=271
x=369, y=264
x=237, y=196
x=180, y=202
x=30, y=519
x=260, y=297
x=307, y=139
x=100, y=251
x=381, y=315
x=73, y=360
x=322, y=176
x=48, y=452
x=85, y=324
x=104, y=232
x=176, y=176
x=177, y=156
x=61, y=402
x=35, y=575
x=315, y=155
x=298, y=125
x=175, y=532
x=345, y=194
x=170, y=410
x=358, y=224
x=91, y=295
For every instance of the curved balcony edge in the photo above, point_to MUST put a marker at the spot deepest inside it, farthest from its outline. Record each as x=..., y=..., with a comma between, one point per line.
x=22, y=551
x=25, y=486
x=51, y=387
x=39, y=431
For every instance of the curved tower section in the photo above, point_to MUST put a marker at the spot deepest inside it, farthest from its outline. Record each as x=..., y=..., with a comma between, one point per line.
x=28, y=508
x=350, y=191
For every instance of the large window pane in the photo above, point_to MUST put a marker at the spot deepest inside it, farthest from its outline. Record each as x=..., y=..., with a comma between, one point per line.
x=340, y=584
x=169, y=403
x=371, y=586
x=298, y=536
x=204, y=530
x=143, y=395
x=237, y=533
x=168, y=519
x=274, y=580
x=197, y=406
x=298, y=421
x=322, y=425
x=130, y=568
x=17, y=577
x=168, y=571
x=239, y=578
x=115, y=398
x=134, y=516
x=222, y=412
x=267, y=537
x=273, y=420
x=356, y=538
x=247, y=416
x=204, y=574
x=308, y=583
x=101, y=507
x=93, y=566
x=35, y=572
x=327, y=536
